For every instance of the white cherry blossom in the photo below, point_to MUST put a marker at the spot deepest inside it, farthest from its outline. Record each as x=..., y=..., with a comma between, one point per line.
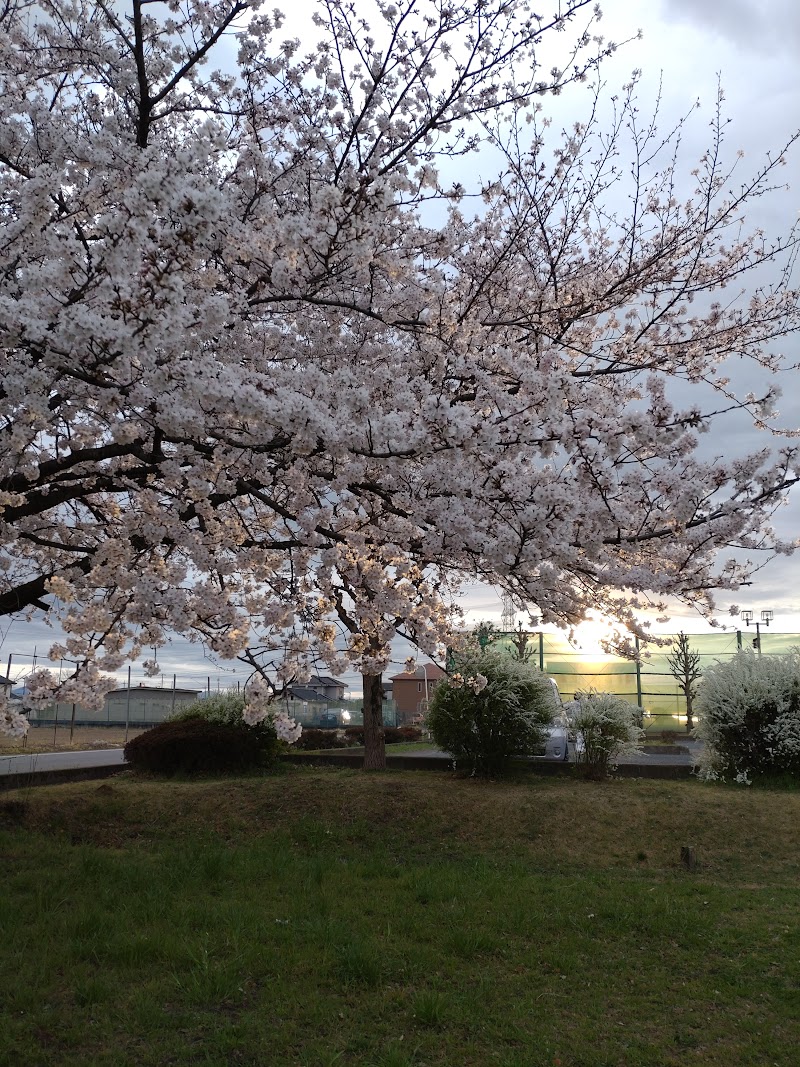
x=270, y=380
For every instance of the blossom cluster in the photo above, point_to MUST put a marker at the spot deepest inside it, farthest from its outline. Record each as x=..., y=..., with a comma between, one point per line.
x=259, y=699
x=287, y=728
x=476, y=682
x=12, y=721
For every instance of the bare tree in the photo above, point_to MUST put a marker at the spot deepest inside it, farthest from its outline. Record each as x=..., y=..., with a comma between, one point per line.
x=520, y=642
x=684, y=664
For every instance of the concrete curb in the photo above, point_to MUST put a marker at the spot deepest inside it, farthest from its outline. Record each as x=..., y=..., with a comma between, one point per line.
x=666, y=750
x=57, y=776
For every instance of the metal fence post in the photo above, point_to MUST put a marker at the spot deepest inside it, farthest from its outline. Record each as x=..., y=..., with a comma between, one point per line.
x=128, y=707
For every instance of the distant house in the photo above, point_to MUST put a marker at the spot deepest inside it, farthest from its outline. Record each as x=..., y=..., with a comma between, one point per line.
x=7, y=690
x=325, y=686
x=412, y=691
x=307, y=694
x=305, y=704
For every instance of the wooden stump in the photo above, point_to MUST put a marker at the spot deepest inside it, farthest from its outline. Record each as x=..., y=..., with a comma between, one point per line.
x=688, y=857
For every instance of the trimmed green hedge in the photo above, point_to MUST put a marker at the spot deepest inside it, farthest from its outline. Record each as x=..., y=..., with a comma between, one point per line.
x=195, y=746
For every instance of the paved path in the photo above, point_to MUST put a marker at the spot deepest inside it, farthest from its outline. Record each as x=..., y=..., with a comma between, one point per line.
x=675, y=759
x=646, y=759
x=41, y=762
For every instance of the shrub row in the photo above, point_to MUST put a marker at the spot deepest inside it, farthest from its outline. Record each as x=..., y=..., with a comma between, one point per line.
x=352, y=736
x=313, y=739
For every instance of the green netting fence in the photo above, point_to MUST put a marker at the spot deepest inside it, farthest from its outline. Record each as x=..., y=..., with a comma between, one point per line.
x=651, y=685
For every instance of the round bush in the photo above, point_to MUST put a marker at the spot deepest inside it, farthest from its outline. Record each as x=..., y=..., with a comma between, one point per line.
x=225, y=709
x=750, y=717
x=194, y=746
x=606, y=727
x=484, y=727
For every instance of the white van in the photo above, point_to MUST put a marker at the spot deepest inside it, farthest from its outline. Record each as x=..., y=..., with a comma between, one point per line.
x=556, y=746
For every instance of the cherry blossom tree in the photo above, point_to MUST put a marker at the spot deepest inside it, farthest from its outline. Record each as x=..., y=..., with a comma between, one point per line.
x=265, y=366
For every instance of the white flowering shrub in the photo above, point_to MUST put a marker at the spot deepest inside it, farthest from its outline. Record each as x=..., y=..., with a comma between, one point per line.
x=606, y=727
x=493, y=707
x=750, y=717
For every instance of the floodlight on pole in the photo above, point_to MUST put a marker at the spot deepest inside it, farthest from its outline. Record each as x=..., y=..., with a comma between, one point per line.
x=766, y=618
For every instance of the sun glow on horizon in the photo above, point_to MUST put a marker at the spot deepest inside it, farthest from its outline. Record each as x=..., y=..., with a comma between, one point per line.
x=596, y=635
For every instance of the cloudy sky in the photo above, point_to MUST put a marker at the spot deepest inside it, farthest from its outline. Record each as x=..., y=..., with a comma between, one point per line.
x=752, y=47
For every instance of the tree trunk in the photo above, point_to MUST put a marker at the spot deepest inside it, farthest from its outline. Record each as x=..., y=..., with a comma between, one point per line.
x=374, y=745
x=689, y=709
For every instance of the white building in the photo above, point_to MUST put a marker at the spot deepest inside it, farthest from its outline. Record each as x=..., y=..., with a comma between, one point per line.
x=140, y=705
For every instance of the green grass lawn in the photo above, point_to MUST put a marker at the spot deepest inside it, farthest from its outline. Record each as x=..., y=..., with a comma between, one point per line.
x=330, y=917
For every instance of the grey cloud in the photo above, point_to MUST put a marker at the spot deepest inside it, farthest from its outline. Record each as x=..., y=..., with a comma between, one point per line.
x=764, y=26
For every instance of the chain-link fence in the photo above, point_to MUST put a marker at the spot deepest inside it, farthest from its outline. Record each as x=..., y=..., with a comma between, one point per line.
x=648, y=682
x=142, y=700
x=17, y=666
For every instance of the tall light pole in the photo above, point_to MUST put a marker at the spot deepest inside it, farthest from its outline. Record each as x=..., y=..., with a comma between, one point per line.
x=766, y=618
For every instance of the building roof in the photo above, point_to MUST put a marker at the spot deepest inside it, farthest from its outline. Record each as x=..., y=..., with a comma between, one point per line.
x=302, y=692
x=154, y=689
x=425, y=670
x=325, y=679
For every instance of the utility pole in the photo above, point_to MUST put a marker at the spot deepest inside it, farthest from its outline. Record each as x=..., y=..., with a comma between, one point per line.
x=507, y=618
